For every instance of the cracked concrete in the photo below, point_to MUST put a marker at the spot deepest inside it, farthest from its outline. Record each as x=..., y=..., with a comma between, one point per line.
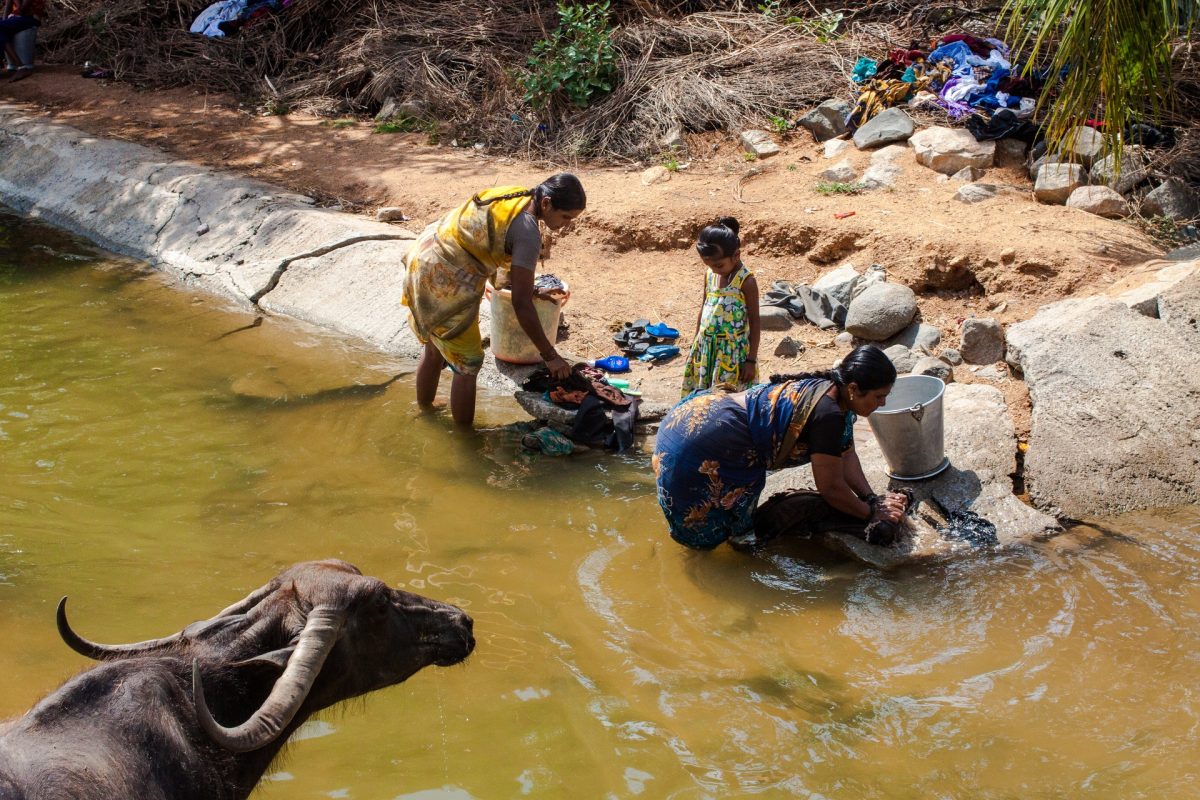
x=223, y=233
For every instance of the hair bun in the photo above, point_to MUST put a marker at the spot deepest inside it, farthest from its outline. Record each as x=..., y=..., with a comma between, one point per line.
x=731, y=223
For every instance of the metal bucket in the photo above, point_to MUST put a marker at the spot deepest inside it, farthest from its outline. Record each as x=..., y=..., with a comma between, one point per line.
x=909, y=428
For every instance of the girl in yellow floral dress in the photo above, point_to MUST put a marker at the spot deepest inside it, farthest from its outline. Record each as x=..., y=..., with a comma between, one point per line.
x=725, y=348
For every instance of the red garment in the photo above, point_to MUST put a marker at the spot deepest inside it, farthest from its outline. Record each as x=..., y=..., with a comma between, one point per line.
x=978, y=46
x=906, y=56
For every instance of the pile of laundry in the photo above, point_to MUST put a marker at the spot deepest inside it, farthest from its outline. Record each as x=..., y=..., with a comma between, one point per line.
x=587, y=392
x=960, y=73
x=227, y=17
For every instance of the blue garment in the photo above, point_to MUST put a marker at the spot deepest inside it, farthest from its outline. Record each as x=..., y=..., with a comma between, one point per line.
x=957, y=52
x=864, y=69
x=712, y=455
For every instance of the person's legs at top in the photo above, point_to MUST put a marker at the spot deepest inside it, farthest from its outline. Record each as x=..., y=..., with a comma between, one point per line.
x=462, y=399
x=429, y=372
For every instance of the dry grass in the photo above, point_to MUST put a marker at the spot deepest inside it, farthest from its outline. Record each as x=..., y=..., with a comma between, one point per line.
x=702, y=64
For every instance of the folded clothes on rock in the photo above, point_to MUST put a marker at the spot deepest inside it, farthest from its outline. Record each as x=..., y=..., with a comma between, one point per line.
x=804, y=302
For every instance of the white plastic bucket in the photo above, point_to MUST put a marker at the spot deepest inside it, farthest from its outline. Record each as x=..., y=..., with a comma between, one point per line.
x=509, y=340
x=909, y=428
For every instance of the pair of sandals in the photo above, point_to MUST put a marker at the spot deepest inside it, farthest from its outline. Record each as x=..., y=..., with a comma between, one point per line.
x=638, y=338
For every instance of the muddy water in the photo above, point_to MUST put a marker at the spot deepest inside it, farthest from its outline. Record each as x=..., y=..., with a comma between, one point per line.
x=155, y=471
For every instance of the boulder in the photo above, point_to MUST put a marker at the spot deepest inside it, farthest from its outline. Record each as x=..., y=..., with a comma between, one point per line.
x=840, y=172
x=1055, y=182
x=1133, y=171
x=889, y=154
x=901, y=357
x=844, y=341
x=935, y=367
x=981, y=444
x=881, y=176
x=951, y=356
x=1179, y=307
x=759, y=143
x=976, y=193
x=655, y=174
x=1116, y=408
x=1173, y=198
x=982, y=341
x=789, y=348
x=391, y=214
x=1010, y=153
x=774, y=318
x=916, y=336
x=1142, y=291
x=881, y=311
x=835, y=147
x=1036, y=164
x=892, y=125
x=1099, y=200
x=839, y=283
x=826, y=121
x=949, y=150
x=967, y=175
x=1083, y=145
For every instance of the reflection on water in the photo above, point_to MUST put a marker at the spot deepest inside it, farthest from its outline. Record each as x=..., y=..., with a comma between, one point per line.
x=156, y=470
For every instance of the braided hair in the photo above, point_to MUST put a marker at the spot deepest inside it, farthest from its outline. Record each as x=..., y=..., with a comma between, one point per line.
x=564, y=190
x=866, y=366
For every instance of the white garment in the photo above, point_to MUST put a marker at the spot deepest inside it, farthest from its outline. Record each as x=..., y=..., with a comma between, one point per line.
x=221, y=11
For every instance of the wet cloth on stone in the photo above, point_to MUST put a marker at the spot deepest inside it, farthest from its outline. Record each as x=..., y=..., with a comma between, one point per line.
x=712, y=455
x=548, y=283
x=593, y=427
x=589, y=380
x=800, y=513
x=804, y=302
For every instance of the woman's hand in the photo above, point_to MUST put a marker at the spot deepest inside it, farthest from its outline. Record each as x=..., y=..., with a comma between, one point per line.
x=747, y=372
x=559, y=368
x=888, y=507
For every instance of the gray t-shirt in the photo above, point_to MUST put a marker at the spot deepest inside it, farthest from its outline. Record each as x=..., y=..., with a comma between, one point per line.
x=524, y=241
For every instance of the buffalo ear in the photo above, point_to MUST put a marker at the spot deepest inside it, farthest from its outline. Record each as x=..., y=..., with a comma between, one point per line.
x=275, y=660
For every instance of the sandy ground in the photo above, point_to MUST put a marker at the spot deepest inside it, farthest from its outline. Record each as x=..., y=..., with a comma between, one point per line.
x=630, y=256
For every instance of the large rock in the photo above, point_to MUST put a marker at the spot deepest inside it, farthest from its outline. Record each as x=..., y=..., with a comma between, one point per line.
x=901, y=357
x=1142, y=291
x=915, y=336
x=656, y=174
x=1174, y=199
x=774, y=318
x=982, y=341
x=835, y=147
x=1179, y=307
x=1083, y=145
x=881, y=176
x=976, y=193
x=981, y=445
x=934, y=367
x=839, y=283
x=892, y=125
x=1036, y=164
x=1010, y=153
x=1133, y=171
x=890, y=154
x=881, y=311
x=1116, y=408
x=1055, y=182
x=826, y=121
x=1099, y=200
x=759, y=143
x=949, y=150
x=840, y=172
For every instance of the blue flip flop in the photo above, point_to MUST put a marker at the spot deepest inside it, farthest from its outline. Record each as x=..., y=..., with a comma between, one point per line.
x=659, y=352
x=662, y=330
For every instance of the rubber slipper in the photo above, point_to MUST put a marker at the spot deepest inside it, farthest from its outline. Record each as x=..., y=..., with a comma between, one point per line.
x=663, y=330
x=637, y=349
x=659, y=352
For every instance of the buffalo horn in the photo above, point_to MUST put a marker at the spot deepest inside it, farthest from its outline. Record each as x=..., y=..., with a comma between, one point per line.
x=320, y=633
x=105, y=652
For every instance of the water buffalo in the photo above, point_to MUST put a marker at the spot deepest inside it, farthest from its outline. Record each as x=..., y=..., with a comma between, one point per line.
x=201, y=714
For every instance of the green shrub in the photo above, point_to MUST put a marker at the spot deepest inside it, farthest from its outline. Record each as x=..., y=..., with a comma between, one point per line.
x=833, y=187
x=578, y=60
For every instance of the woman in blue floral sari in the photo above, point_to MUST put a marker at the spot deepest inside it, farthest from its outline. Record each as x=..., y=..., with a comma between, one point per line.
x=714, y=448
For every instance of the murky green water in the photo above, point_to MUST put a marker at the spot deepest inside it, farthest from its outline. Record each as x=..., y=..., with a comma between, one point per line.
x=146, y=472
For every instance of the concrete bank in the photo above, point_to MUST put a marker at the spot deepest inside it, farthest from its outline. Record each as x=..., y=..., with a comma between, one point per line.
x=253, y=243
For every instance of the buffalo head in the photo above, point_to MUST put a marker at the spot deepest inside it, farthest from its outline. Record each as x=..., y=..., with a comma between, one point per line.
x=325, y=631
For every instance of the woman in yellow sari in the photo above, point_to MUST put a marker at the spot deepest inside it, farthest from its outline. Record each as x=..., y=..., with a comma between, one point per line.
x=452, y=260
